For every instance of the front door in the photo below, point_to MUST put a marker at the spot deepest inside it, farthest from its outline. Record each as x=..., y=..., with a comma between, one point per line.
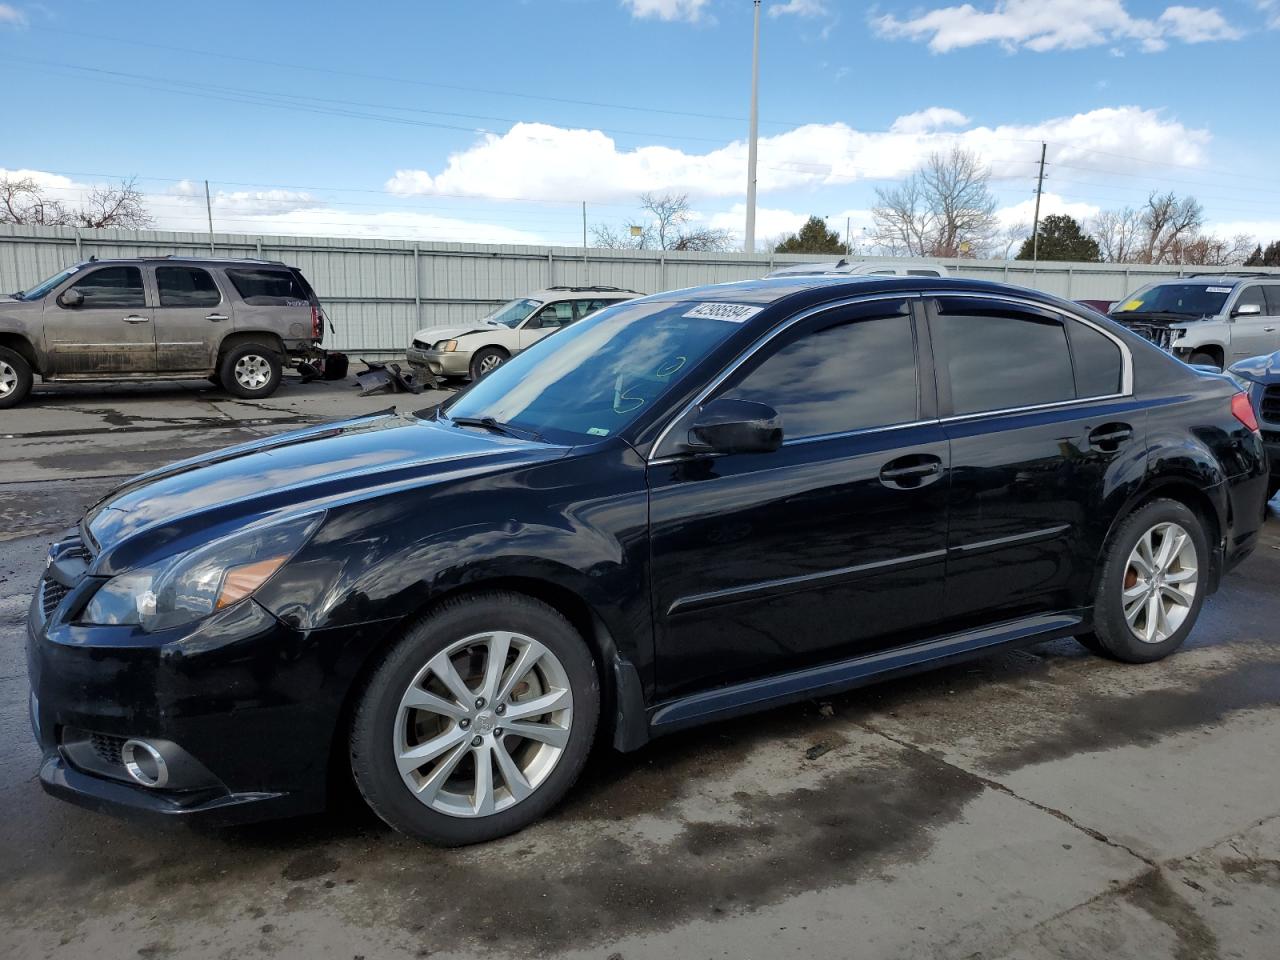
x=104, y=328
x=546, y=321
x=832, y=545
x=1033, y=437
x=191, y=320
x=1255, y=334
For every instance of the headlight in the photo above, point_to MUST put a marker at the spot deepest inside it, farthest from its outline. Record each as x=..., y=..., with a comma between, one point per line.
x=191, y=586
x=448, y=346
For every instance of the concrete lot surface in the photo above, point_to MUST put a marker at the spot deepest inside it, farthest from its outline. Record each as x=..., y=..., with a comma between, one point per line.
x=1038, y=804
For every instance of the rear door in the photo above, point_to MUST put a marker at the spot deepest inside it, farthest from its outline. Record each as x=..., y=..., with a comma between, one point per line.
x=110, y=333
x=192, y=317
x=1033, y=437
x=832, y=545
x=547, y=320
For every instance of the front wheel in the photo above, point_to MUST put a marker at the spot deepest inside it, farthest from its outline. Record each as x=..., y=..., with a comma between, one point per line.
x=1153, y=581
x=477, y=721
x=1204, y=360
x=486, y=360
x=15, y=378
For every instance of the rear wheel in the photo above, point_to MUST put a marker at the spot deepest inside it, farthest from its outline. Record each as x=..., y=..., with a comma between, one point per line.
x=15, y=378
x=250, y=370
x=1152, y=584
x=477, y=721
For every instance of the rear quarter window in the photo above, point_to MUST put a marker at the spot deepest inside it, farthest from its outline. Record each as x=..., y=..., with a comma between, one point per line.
x=265, y=287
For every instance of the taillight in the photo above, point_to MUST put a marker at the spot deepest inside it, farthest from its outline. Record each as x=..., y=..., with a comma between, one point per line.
x=1242, y=410
x=317, y=324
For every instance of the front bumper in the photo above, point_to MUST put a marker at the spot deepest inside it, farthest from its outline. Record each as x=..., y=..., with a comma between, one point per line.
x=250, y=706
x=438, y=363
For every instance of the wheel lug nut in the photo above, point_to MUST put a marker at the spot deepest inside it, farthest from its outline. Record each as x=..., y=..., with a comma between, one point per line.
x=479, y=703
x=498, y=732
x=464, y=723
x=476, y=741
x=501, y=709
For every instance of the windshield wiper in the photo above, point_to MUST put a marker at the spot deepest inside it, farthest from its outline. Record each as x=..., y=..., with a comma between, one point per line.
x=497, y=426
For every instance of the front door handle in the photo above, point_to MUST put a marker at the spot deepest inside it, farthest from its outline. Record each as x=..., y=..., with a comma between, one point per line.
x=134, y=318
x=1109, y=436
x=911, y=472
x=217, y=316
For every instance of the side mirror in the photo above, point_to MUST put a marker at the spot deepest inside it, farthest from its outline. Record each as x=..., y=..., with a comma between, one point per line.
x=71, y=298
x=735, y=426
x=1247, y=310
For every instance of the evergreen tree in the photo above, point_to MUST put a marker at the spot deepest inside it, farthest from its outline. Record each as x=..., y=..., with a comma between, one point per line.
x=814, y=237
x=1061, y=239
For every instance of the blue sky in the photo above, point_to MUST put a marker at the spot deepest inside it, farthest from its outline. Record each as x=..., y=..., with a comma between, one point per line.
x=428, y=120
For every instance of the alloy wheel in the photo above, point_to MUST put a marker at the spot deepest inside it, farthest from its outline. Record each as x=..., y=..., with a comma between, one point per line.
x=252, y=371
x=483, y=724
x=8, y=379
x=490, y=363
x=1160, y=582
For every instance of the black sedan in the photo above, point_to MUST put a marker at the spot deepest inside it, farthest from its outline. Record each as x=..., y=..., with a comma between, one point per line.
x=1260, y=376
x=681, y=509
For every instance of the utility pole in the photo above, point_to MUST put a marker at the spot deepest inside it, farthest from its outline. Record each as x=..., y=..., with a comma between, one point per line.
x=585, y=277
x=848, y=237
x=751, y=148
x=1035, y=229
x=208, y=208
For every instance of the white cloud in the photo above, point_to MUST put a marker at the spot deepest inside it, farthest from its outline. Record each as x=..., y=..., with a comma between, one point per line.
x=1271, y=11
x=249, y=202
x=1262, y=231
x=690, y=10
x=540, y=161
x=1024, y=212
x=774, y=223
x=12, y=16
x=1041, y=25
x=930, y=118
x=800, y=8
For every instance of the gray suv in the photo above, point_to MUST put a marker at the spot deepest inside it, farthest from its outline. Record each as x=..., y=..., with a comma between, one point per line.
x=1213, y=319
x=236, y=322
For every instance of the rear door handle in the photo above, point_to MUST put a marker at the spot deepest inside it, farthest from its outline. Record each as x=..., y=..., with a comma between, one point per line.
x=134, y=318
x=216, y=316
x=1109, y=436
x=911, y=472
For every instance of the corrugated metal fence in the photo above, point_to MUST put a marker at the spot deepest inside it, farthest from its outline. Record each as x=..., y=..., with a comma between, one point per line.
x=378, y=292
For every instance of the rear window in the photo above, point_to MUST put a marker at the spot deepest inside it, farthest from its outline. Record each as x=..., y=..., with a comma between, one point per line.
x=269, y=287
x=186, y=287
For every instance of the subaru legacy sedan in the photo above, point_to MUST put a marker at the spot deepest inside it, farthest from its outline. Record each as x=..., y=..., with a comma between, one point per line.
x=686, y=508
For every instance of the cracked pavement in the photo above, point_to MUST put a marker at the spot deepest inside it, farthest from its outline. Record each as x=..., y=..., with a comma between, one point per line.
x=1035, y=804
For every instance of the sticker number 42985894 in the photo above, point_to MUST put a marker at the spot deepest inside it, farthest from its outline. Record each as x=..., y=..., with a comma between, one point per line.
x=732, y=312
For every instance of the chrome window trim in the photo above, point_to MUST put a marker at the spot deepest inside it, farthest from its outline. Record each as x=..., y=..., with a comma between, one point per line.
x=755, y=348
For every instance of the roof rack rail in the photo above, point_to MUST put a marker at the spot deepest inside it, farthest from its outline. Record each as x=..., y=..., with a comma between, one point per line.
x=181, y=256
x=1237, y=273
x=599, y=287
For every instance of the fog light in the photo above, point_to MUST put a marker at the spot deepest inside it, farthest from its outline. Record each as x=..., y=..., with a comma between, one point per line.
x=144, y=763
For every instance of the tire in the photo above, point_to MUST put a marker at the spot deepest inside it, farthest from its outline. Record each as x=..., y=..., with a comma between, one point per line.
x=250, y=370
x=446, y=805
x=1126, y=625
x=15, y=378
x=486, y=360
x=1204, y=359
x=1273, y=487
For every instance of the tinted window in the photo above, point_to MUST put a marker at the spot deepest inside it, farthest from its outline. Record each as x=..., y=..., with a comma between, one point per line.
x=1098, y=363
x=1003, y=358
x=112, y=287
x=852, y=376
x=1273, y=299
x=1251, y=296
x=923, y=273
x=186, y=287
x=269, y=287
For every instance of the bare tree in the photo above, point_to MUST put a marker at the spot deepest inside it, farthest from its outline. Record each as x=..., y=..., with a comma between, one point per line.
x=1118, y=233
x=120, y=205
x=1011, y=238
x=944, y=209
x=1213, y=251
x=1169, y=222
x=663, y=228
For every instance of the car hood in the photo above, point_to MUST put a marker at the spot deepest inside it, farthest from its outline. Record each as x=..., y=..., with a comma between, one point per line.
x=193, y=501
x=1264, y=369
x=436, y=334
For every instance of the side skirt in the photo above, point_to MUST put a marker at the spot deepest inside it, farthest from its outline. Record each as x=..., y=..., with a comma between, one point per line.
x=832, y=678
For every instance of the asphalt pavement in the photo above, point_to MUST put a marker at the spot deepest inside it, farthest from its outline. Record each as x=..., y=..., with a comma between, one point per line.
x=1036, y=804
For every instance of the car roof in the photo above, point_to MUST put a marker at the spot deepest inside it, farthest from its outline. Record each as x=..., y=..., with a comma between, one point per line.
x=818, y=288
x=578, y=293
x=197, y=261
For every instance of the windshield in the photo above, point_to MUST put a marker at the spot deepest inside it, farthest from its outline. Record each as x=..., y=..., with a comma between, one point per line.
x=40, y=289
x=1187, y=299
x=510, y=314
x=597, y=376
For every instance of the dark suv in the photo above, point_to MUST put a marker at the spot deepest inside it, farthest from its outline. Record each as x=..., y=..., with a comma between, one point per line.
x=160, y=318
x=680, y=509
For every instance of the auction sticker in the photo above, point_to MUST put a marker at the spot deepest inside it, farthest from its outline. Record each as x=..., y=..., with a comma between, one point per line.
x=732, y=312
x=1217, y=289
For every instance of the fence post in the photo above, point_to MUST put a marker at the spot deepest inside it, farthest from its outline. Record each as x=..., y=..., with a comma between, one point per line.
x=662, y=271
x=551, y=268
x=1070, y=271
x=258, y=245
x=417, y=285
x=79, y=252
